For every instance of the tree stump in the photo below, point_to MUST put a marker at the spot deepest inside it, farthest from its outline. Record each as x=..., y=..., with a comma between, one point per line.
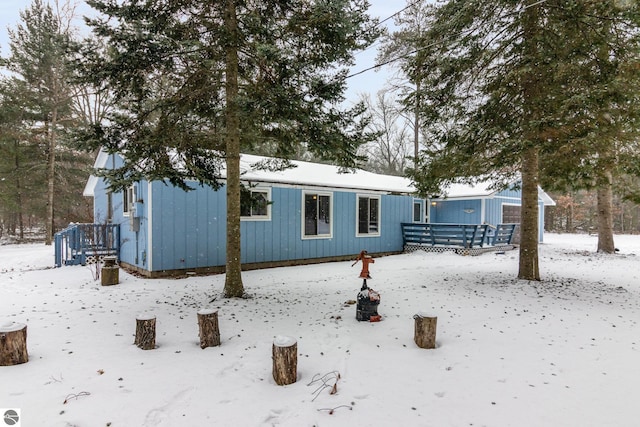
x=13, y=344
x=208, y=327
x=425, y=330
x=109, y=275
x=285, y=360
x=146, y=331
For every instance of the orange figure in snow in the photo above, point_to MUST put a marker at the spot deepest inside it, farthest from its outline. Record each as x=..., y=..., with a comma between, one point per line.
x=366, y=260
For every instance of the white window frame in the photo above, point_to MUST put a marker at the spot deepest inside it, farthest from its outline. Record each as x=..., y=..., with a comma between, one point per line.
x=266, y=217
x=128, y=199
x=424, y=210
x=379, y=214
x=303, y=214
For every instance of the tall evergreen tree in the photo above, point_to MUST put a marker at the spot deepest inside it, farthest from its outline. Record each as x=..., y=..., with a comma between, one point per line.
x=500, y=90
x=38, y=58
x=12, y=157
x=195, y=82
x=600, y=80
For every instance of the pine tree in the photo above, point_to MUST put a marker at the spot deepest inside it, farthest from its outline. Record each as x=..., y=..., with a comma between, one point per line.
x=600, y=81
x=38, y=59
x=500, y=71
x=195, y=82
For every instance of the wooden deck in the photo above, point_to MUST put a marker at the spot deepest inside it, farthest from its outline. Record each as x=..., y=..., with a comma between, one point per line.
x=81, y=244
x=468, y=239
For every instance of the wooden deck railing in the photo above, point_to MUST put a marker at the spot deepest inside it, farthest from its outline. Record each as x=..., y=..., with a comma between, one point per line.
x=78, y=242
x=457, y=235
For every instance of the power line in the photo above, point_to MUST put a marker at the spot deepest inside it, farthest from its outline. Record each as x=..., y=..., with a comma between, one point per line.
x=400, y=11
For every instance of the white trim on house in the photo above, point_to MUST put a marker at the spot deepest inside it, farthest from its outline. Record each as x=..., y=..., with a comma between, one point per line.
x=379, y=214
x=424, y=210
x=149, y=205
x=303, y=215
x=267, y=217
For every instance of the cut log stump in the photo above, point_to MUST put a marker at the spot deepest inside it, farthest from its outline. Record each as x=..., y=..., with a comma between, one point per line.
x=110, y=275
x=146, y=331
x=208, y=327
x=285, y=360
x=425, y=330
x=13, y=344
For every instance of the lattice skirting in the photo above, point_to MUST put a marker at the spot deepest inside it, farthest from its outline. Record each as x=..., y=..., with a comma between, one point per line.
x=93, y=259
x=460, y=251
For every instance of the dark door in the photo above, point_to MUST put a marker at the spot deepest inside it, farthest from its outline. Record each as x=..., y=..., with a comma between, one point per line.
x=511, y=215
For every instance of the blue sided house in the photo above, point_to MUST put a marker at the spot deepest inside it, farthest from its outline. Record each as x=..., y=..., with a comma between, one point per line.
x=306, y=214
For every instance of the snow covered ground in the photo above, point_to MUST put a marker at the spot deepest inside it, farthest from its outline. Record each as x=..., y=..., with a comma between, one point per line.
x=561, y=352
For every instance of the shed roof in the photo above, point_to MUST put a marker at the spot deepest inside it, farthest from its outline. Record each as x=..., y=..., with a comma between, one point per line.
x=483, y=190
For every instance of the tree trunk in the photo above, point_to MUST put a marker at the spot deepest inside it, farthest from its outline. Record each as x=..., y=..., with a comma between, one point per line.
x=529, y=228
x=51, y=171
x=233, y=286
x=19, y=207
x=569, y=227
x=605, y=213
x=528, y=266
x=425, y=331
x=109, y=275
x=13, y=344
x=285, y=360
x=208, y=328
x=146, y=332
x=416, y=125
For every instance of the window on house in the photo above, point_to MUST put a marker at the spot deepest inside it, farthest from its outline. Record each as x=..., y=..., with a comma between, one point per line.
x=128, y=198
x=254, y=204
x=368, y=215
x=109, y=206
x=417, y=211
x=317, y=215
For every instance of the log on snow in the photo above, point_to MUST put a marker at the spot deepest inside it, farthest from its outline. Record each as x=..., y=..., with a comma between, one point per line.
x=425, y=330
x=145, y=331
x=208, y=328
x=13, y=344
x=285, y=360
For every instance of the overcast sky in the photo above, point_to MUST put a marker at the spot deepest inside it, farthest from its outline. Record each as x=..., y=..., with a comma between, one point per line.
x=369, y=82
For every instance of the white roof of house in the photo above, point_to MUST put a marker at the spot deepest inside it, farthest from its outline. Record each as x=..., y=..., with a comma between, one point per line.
x=483, y=189
x=321, y=175
x=303, y=173
x=329, y=176
x=101, y=162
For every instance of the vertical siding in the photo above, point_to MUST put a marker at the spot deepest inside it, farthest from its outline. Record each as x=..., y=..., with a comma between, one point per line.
x=493, y=213
x=100, y=202
x=453, y=212
x=189, y=228
x=132, y=244
x=540, y=221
